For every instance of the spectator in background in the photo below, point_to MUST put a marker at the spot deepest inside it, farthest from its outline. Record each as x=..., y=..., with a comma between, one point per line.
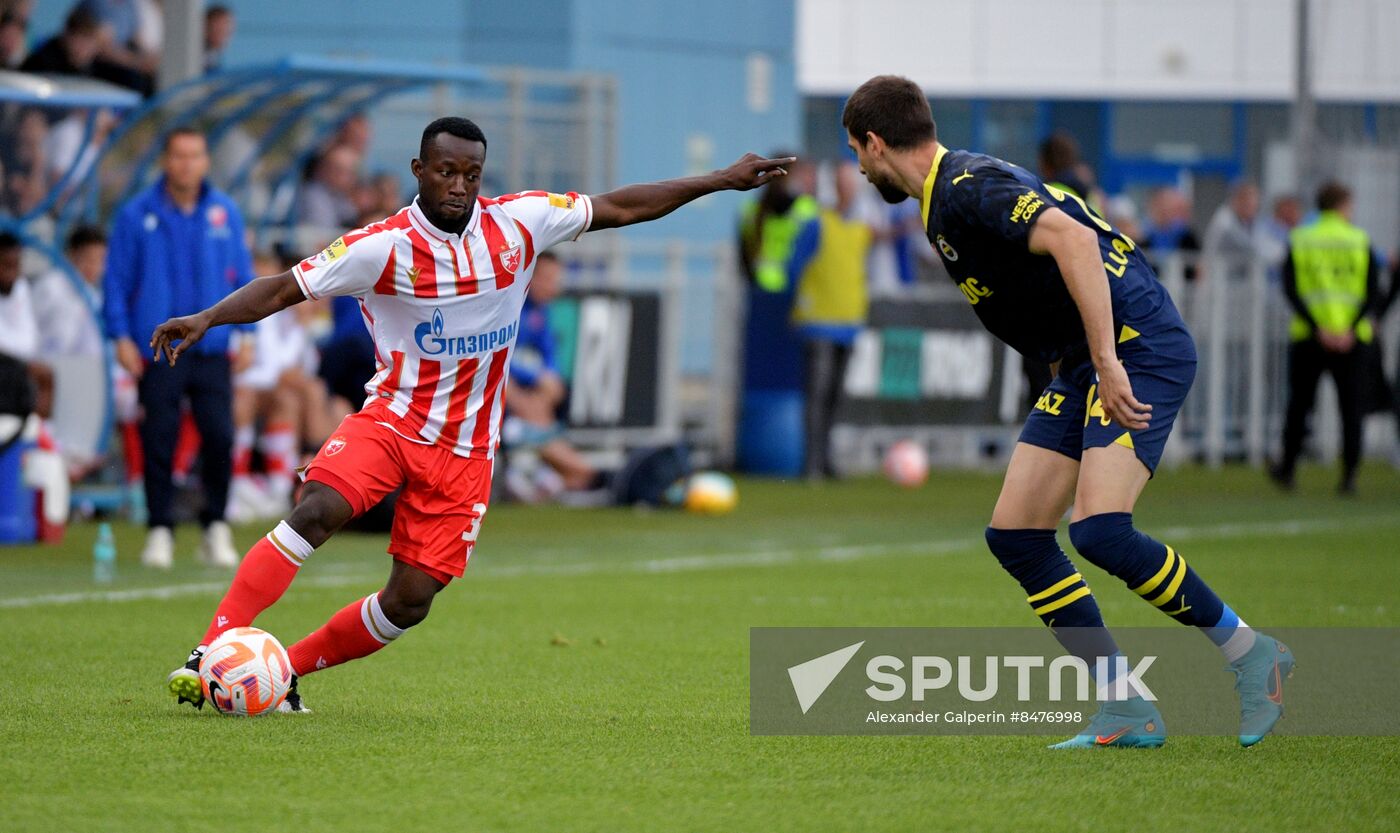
x=1060, y=167
x=1169, y=227
x=327, y=201
x=178, y=247
x=25, y=155
x=356, y=134
x=1274, y=230
x=72, y=51
x=19, y=335
x=767, y=231
x=1122, y=214
x=535, y=392
x=14, y=38
x=123, y=57
x=1332, y=280
x=279, y=407
x=219, y=25
x=828, y=267
x=1232, y=230
x=1232, y=237
x=68, y=307
x=388, y=194
x=1169, y=222
x=67, y=150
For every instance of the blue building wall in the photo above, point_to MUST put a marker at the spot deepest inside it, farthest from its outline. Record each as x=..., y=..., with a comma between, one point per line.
x=681, y=68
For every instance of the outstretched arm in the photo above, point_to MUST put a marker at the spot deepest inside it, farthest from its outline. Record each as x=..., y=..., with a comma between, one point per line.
x=640, y=203
x=253, y=302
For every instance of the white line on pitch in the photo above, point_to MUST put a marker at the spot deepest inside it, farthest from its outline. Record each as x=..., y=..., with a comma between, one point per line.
x=700, y=561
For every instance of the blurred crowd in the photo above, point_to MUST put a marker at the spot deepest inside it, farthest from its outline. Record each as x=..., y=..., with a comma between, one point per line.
x=818, y=246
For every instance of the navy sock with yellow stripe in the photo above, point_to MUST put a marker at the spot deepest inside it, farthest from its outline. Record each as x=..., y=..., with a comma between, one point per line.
x=1151, y=569
x=1055, y=590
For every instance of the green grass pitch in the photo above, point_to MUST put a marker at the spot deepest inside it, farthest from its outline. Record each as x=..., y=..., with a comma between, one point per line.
x=590, y=673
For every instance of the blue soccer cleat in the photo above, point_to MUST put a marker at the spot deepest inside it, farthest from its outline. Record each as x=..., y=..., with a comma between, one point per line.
x=1126, y=724
x=1259, y=677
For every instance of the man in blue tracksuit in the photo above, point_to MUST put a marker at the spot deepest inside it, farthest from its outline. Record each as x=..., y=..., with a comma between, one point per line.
x=176, y=248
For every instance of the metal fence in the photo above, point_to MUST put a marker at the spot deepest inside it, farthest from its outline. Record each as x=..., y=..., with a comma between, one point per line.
x=1237, y=312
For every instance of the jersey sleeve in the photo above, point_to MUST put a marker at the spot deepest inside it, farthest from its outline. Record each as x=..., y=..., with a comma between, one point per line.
x=998, y=205
x=550, y=218
x=344, y=268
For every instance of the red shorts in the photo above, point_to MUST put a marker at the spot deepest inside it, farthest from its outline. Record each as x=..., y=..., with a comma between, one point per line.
x=444, y=498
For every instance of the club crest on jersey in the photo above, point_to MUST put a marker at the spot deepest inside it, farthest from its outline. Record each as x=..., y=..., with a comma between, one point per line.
x=433, y=341
x=947, y=248
x=334, y=445
x=510, y=259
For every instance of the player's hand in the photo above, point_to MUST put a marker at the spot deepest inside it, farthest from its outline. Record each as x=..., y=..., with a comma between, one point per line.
x=187, y=330
x=753, y=170
x=1116, y=394
x=129, y=357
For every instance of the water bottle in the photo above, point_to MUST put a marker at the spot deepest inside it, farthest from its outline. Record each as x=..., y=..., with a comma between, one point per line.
x=104, y=555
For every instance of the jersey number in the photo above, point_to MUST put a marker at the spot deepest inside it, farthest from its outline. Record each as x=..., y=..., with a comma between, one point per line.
x=474, y=528
x=1122, y=244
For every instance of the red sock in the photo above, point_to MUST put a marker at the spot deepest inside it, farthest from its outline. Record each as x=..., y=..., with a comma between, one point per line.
x=131, y=451
x=358, y=630
x=262, y=578
x=186, y=447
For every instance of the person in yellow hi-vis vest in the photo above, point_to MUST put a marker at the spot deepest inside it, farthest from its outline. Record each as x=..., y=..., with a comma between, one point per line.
x=770, y=405
x=828, y=267
x=1331, y=277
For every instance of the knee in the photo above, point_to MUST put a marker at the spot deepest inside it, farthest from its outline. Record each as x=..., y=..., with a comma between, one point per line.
x=1098, y=537
x=319, y=514
x=1019, y=548
x=404, y=608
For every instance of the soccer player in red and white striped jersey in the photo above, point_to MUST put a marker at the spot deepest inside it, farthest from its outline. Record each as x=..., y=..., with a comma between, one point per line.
x=441, y=285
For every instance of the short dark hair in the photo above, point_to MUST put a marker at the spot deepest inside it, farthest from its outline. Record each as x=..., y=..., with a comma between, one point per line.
x=452, y=126
x=217, y=10
x=80, y=21
x=184, y=130
x=9, y=242
x=1059, y=152
x=893, y=108
x=84, y=236
x=547, y=255
x=1332, y=195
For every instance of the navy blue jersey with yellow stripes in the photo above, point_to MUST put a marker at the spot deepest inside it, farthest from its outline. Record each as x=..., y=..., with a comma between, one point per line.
x=978, y=212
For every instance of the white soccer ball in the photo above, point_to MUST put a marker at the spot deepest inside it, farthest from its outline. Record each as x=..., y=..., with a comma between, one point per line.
x=906, y=464
x=245, y=672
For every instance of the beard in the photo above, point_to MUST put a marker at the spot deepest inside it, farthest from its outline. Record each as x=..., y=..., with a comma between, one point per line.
x=890, y=193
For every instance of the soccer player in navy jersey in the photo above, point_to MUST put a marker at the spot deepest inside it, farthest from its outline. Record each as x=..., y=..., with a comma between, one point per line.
x=1051, y=278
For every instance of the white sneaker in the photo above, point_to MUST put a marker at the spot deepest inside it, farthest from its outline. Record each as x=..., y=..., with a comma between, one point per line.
x=159, y=553
x=245, y=500
x=217, y=547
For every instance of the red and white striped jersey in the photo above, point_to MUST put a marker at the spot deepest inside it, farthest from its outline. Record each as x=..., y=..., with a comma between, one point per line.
x=444, y=309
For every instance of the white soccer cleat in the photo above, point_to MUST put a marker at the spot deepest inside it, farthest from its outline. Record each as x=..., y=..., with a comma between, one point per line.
x=159, y=552
x=217, y=549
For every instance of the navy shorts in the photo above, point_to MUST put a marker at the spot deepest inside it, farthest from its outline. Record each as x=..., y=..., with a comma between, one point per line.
x=1069, y=418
